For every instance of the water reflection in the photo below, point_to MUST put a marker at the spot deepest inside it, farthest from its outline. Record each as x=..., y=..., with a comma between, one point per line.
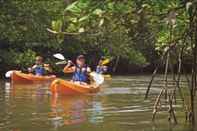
x=69, y=110
x=64, y=110
x=32, y=90
x=96, y=113
x=120, y=106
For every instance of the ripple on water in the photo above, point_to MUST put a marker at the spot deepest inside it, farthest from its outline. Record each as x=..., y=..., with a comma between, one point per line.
x=120, y=106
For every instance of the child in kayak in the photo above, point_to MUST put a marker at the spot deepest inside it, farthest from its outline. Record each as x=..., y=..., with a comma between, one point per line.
x=101, y=69
x=40, y=68
x=80, y=70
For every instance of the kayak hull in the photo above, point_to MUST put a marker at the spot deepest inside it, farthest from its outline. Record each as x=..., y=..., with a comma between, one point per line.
x=64, y=87
x=22, y=78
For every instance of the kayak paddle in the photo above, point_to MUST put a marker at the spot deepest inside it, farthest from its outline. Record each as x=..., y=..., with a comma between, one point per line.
x=106, y=61
x=8, y=74
x=59, y=56
x=98, y=78
x=61, y=63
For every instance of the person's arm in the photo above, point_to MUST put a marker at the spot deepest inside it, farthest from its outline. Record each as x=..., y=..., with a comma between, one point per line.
x=68, y=68
x=31, y=69
x=48, y=68
x=34, y=67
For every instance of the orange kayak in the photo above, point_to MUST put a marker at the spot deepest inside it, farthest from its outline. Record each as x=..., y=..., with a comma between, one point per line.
x=68, y=87
x=19, y=77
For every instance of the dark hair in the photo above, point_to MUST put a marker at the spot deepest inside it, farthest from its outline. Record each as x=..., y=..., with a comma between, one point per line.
x=81, y=57
x=102, y=58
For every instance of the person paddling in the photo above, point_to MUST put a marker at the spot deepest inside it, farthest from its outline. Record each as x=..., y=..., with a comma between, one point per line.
x=80, y=70
x=101, y=69
x=40, y=68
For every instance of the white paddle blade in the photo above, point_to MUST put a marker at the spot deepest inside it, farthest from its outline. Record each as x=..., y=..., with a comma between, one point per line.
x=8, y=74
x=59, y=56
x=61, y=63
x=98, y=78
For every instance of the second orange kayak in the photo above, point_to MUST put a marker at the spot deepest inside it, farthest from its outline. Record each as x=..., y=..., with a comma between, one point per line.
x=61, y=86
x=19, y=77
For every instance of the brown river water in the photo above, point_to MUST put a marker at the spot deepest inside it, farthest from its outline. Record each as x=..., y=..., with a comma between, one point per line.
x=119, y=106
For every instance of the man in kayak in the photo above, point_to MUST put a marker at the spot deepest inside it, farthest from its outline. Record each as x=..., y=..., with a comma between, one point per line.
x=80, y=70
x=40, y=68
x=101, y=68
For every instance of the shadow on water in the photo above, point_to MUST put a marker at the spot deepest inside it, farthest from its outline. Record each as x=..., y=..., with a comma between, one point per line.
x=120, y=106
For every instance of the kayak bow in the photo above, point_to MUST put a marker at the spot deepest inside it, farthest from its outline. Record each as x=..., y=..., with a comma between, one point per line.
x=60, y=86
x=22, y=78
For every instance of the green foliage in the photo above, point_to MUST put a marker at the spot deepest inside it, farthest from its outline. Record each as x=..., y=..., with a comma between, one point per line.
x=21, y=60
x=102, y=26
x=57, y=25
x=135, y=30
x=26, y=21
x=24, y=59
x=14, y=59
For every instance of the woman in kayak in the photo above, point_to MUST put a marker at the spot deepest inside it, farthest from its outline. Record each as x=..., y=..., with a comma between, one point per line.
x=101, y=69
x=40, y=68
x=80, y=70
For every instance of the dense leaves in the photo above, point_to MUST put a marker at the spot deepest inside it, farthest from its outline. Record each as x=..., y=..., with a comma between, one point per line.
x=23, y=26
x=134, y=32
x=145, y=28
